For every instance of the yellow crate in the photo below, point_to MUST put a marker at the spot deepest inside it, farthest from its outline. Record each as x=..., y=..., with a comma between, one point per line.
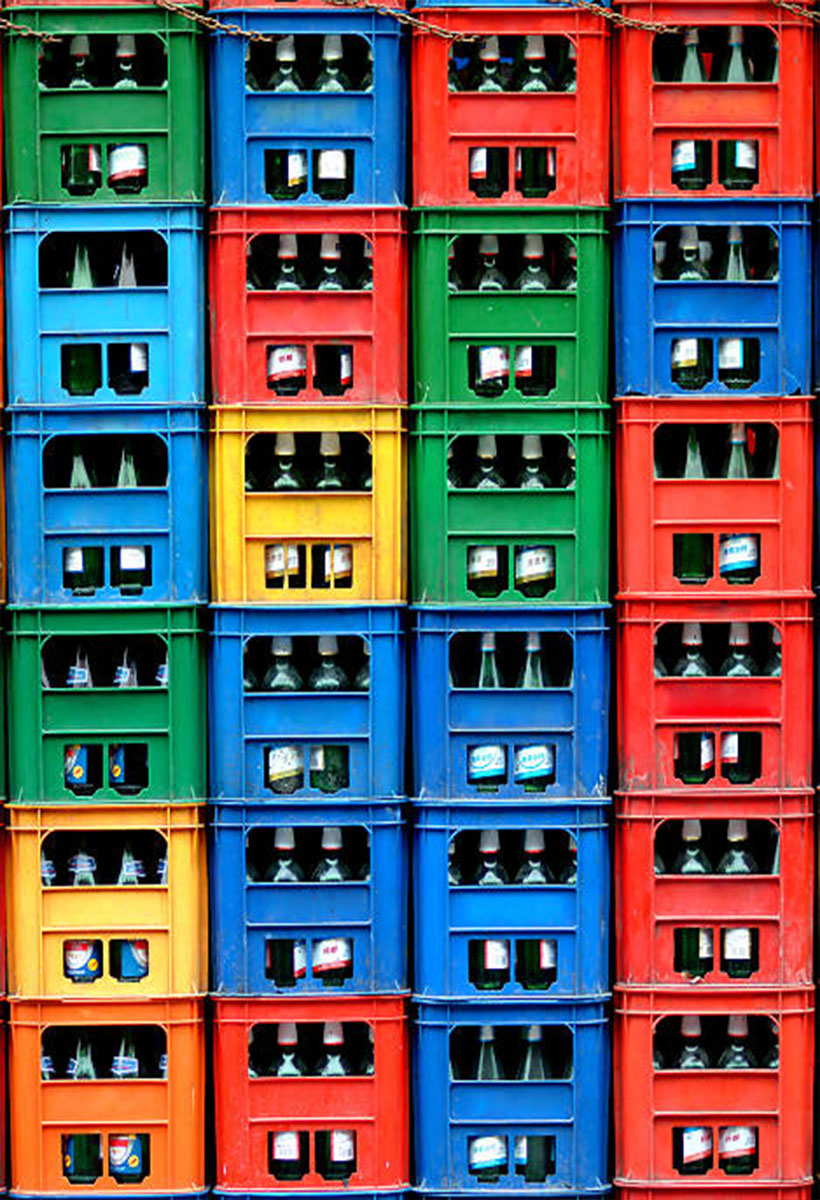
x=244, y=524
x=172, y=917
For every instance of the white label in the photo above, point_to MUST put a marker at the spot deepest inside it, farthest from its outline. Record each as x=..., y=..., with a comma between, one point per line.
x=487, y=1152
x=737, y=944
x=685, y=352
x=94, y=163
x=547, y=955
x=735, y=1141
x=74, y=560
x=520, y=1149
x=482, y=562
x=730, y=354
x=697, y=1143
x=332, y=953
x=126, y=162
x=478, y=163
x=346, y=367
x=738, y=552
x=487, y=762
x=533, y=762
x=707, y=751
x=317, y=758
x=132, y=558
x=299, y=960
x=297, y=167
x=138, y=355
x=332, y=164
x=493, y=363
x=683, y=156
x=275, y=559
x=125, y=1066
x=342, y=562
x=523, y=362
x=534, y=563
x=746, y=155
x=496, y=956
x=342, y=1147
x=286, y=1147
x=730, y=749
x=286, y=362
x=284, y=762
x=706, y=943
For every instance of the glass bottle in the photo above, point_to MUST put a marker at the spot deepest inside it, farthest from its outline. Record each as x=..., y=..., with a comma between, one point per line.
x=361, y=682
x=532, y=1066
x=691, y=363
x=737, y=1056
x=692, y=662
x=125, y=58
x=331, y=477
x=455, y=877
x=691, y=267
x=491, y=376
x=738, y=859
x=81, y=276
x=331, y=76
x=490, y=871
x=694, y=755
x=286, y=173
x=661, y=670
x=738, y=462
x=532, y=475
x=81, y=1065
x=532, y=77
x=565, y=70
x=774, y=663
x=739, y=661
x=534, y=870
x=284, y=868
x=735, y=270
x=48, y=872
x=331, y=868
x=285, y=77
x=692, y=860
x=694, y=951
x=534, y=277
x=287, y=1062
x=693, y=468
x=735, y=66
x=692, y=68
x=330, y=255
x=288, y=278
x=132, y=872
x=287, y=369
x=127, y=471
x=282, y=675
x=79, y=51
x=285, y=477
x=328, y=676
x=737, y=1149
x=490, y=279
x=693, y=1056
x=80, y=475
x=125, y=1063
x=366, y=281
x=484, y=576
x=533, y=674
x=534, y=570
x=489, y=57
x=487, y=1068
x=487, y=476
x=334, y=175
x=568, y=281
x=79, y=674
x=488, y=676
x=334, y=1063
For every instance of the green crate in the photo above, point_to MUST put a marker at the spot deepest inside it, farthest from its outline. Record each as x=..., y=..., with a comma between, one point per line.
x=168, y=720
x=571, y=325
x=168, y=119
x=445, y=522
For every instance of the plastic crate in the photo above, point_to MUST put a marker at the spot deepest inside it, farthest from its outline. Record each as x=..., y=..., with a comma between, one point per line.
x=449, y=918
x=167, y=320
x=171, y=917
x=655, y=510
x=249, y=916
x=160, y=728
x=652, y=315
x=690, y=1191
x=572, y=521
x=166, y=117
x=650, y=115
x=654, y=710
x=573, y=125
x=651, y=1104
x=370, y=124
x=450, y=718
x=251, y=1112
x=246, y=524
x=570, y=328
x=246, y=726
x=572, y=1113
x=369, y=324
x=165, y=519
x=171, y=1111
x=776, y=904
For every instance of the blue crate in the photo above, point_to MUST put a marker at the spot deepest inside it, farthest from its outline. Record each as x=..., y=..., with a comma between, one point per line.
x=245, y=725
x=245, y=123
x=245, y=915
x=449, y=720
x=169, y=319
x=449, y=1112
x=448, y=918
x=172, y=519
x=650, y=313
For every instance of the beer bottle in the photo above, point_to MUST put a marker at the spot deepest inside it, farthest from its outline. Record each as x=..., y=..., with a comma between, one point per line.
x=79, y=675
x=737, y=1056
x=534, y=277
x=692, y=860
x=81, y=1065
x=334, y=175
x=691, y=267
x=281, y=675
x=487, y=1157
x=534, y=870
x=691, y=363
x=285, y=77
x=330, y=452
x=284, y=868
x=287, y=1062
x=568, y=281
x=366, y=282
x=285, y=477
x=534, y=570
x=328, y=676
x=286, y=173
x=289, y=1155
x=774, y=663
x=737, y=1149
x=132, y=872
x=484, y=571
x=568, y=873
x=125, y=1064
x=81, y=168
x=694, y=757
x=334, y=1061
x=490, y=279
x=330, y=255
x=692, y=1149
x=48, y=872
x=692, y=662
x=285, y=961
x=127, y=472
x=738, y=362
x=739, y=662
x=532, y=476
x=694, y=951
x=737, y=860
x=486, y=476
x=331, y=868
x=455, y=877
x=488, y=676
x=128, y=368
x=127, y=171
x=329, y=768
x=336, y=1154
x=690, y=164
x=287, y=369
x=331, y=76
x=284, y=770
x=288, y=278
x=125, y=674
x=487, y=173
x=661, y=670
x=490, y=871
x=79, y=52
x=532, y=77
x=693, y=1057
x=125, y=57
x=735, y=270
x=491, y=371
x=534, y=766
x=565, y=474
x=739, y=762
x=565, y=72
x=333, y=960
x=489, y=62
x=533, y=674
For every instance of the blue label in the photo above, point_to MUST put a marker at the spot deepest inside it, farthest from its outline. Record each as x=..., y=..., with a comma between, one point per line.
x=116, y=766
x=76, y=765
x=125, y=1066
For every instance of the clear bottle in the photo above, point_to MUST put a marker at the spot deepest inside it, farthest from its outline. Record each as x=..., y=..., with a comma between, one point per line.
x=692, y=68
x=490, y=279
x=332, y=78
x=132, y=871
x=568, y=279
x=488, y=675
x=533, y=673
x=126, y=1063
x=284, y=868
x=285, y=476
x=81, y=277
x=127, y=471
x=328, y=676
x=330, y=256
x=334, y=1062
x=533, y=73
x=285, y=77
x=734, y=65
x=532, y=1066
x=487, y=476
x=692, y=662
x=532, y=475
x=534, y=869
x=735, y=270
x=489, y=58
x=287, y=1062
x=534, y=277
x=692, y=860
x=737, y=1055
x=331, y=868
x=487, y=1068
x=288, y=278
x=739, y=662
x=282, y=675
x=693, y=1056
x=125, y=58
x=693, y=468
x=737, y=463
x=79, y=674
x=661, y=670
x=331, y=477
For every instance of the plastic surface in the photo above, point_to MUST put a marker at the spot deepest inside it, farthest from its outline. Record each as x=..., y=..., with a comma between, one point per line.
x=695, y=1191
x=168, y=721
x=446, y=522
x=374, y=1108
x=449, y=917
x=168, y=119
x=171, y=1111
x=245, y=321
x=448, y=720
x=649, y=1103
x=653, y=510
x=652, y=314
x=572, y=324
x=246, y=123
x=171, y=917
x=245, y=523
x=168, y=319
x=650, y=116
x=649, y=908
x=169, y=519
x=370, y=912
x=653, y=709
x=246, y=725
x=573, y=1111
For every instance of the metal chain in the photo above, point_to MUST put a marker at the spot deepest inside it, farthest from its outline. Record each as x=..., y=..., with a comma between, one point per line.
x=209, y=21
x=26, y=31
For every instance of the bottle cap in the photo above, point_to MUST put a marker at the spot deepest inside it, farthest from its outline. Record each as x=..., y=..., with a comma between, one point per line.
x=286, y=49
x=533, y=1033
x=285, y=445
x=486, y=446
x=282, y=644
x=534, y=46
x=78, y=46
x=284, y=838
x=735, y=235
x=533, y=245
x=690, y=37
x=489, y=51
x=488, y=641
x=488, y=244
x=534, y=841
x=691, y=635
x=126, y=45
x=739, y=633
x=533, y=641
x=531, y=446
x=330, y=446
x=738, y=1025
x=288, y=246
x=332, y=48
x=286, y=1033
x=691, y=830
x=489, y=842
x=331, y=247
x=331, y=837
x=333, y=1034
x=688, y=237
x=735, y=35
x=738, y=831
x=487, y=1033
x=690, y=1025
x=328, y=644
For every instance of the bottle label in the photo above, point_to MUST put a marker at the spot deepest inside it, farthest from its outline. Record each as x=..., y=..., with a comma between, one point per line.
x=330, y=954
x=534, y=563
x=47, y=871
x=478, y=163
x=132, y=872
x=533, y=762
x=496, y=956
x=521, y=1150
x=78, y=676
x=284, y=762
x=706, y=943
x=346, y=368
x=736, y=1141
x=116, y=765
x=138, y=357
x=332, y=164
x=737, y=944
x=286, y=362
x=547, y=955
x=730, y=354
x=342, y=1146
x=162, y=675
x=685, y=352
x=482, y=562
x=493, y=363
x=317, y=758
x=707, y=752
x=746, y=155
x=275, y=559
x=163, y=1066
x=46, y=1066
x=126, y=162
x=125, y=1066
x=697, y=1143
x=132, y=558
x=342, y=564
x=523, y=362
x=123, y=676
x=487, y=1152
x=74, y=560
x=76, y=764
x=125, y=1154
x=94, y=161
x=738, y=552
x=286, y=1147
x=82, y=864
x=297, y=168
x=487, y=762
x=80, y=960
x=730, y=749
x=299, y=960
x=684, y=156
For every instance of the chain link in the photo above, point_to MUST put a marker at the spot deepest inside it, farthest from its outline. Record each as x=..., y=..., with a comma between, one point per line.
x=26, y=31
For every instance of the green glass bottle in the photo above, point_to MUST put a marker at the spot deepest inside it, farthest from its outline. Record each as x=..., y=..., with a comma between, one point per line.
x=694, y=951
x=331, y=477
x=735, y=66
x=490, y=278
x=285, y=476
x=81, y=1066
x=333, y=278
x=774, y=663
x=125, y=60
x=737, y=463
x=691, y=363
x=532, y=76
x=282, y=675
x=735, y=270
x=738, y=859
x=737, y=1056
x=484, y=577
x=127, y=471
x=737, y=1149
x=126, y=1063
x=738, y=362
x=79, y=52
x=488, y=676
x=329, y=675
x=489, y=56
x=694, y=757
x=691, y=268
x=336, y=1154
x=692, y=68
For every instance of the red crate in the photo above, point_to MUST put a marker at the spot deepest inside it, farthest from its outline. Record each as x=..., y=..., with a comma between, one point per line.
x=245, y=322
x=650, y=115
x=268, y=5
x=701, y=1191
x=446, y=125
x=374, y=1107
x=651, y=511
x=649, y=907
x=651, y=710
x=649, y=1103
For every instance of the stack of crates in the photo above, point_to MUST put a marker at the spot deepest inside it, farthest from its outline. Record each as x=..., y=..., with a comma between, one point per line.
x=714, y=851
x=509, y=510
x=308, y=282
x=106, y=460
